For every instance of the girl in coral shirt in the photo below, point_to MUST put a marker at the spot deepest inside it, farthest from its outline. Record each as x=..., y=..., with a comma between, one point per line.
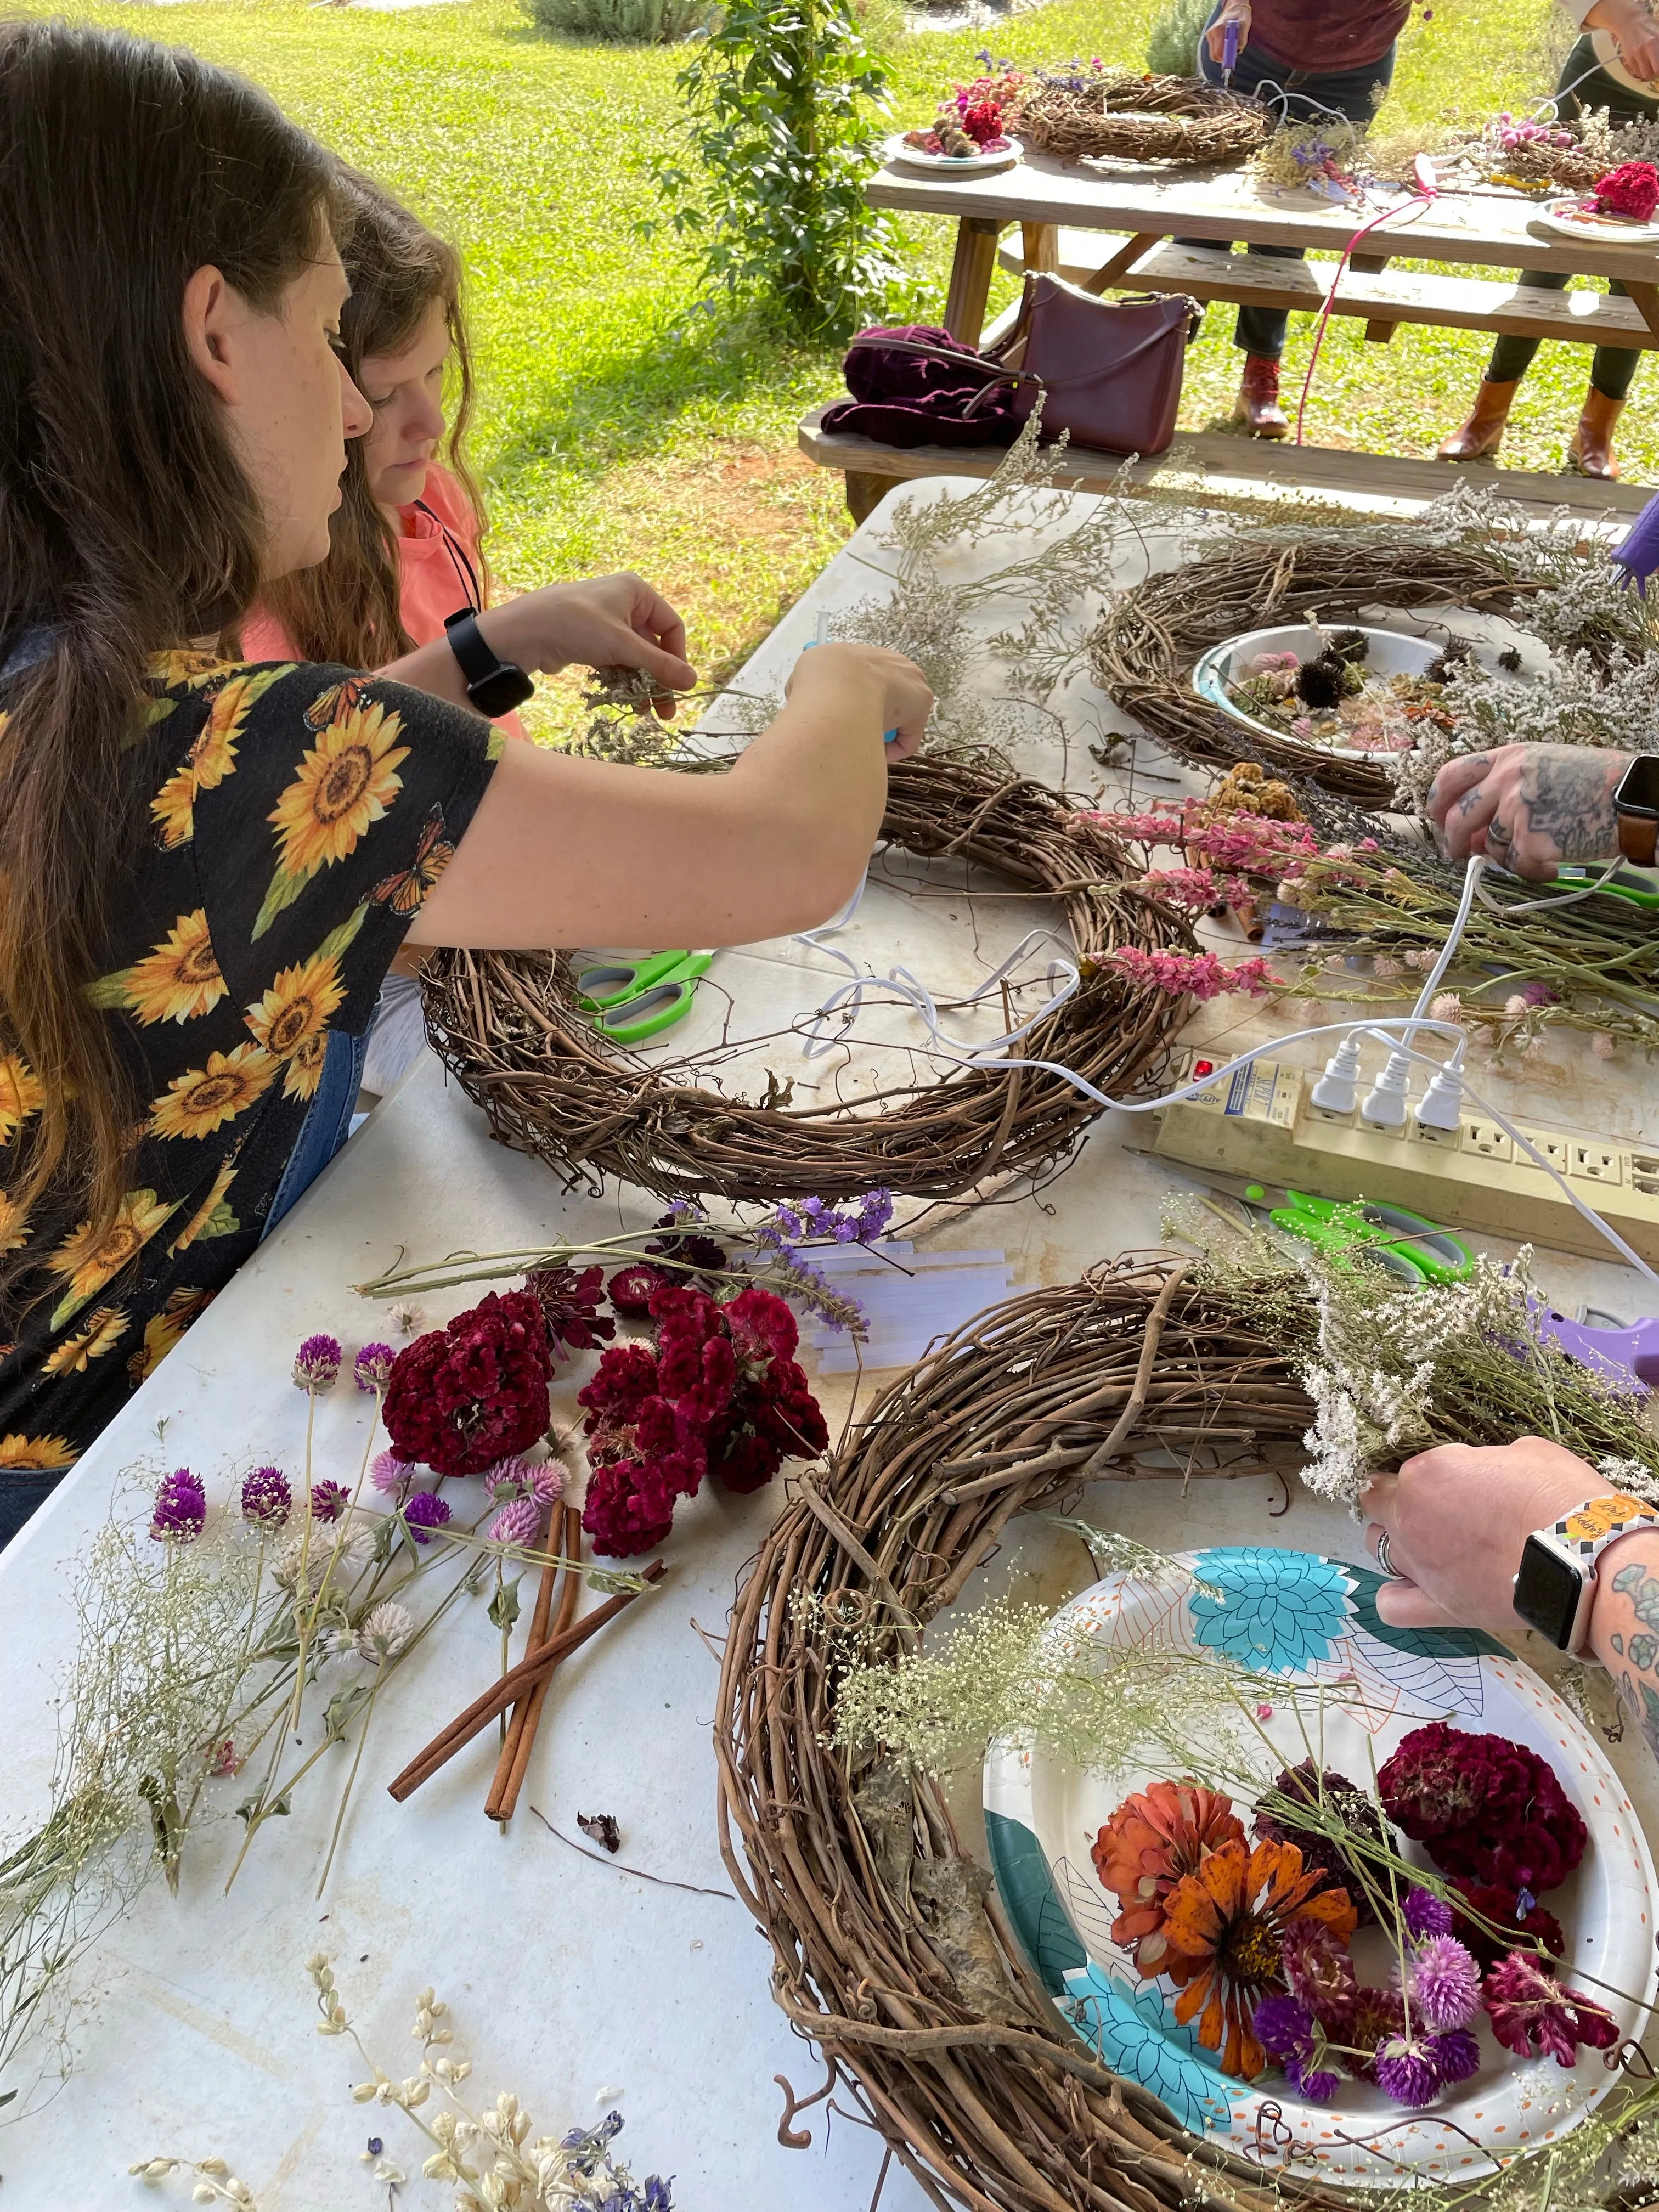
x=405, y=547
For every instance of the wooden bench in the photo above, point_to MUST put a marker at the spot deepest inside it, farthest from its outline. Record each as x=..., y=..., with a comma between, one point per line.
x=1229, y=467
x=1465, y=303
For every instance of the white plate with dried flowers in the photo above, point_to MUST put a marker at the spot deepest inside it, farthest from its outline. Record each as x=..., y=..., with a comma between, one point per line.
x=1002, y=155
x=1576, y=218
x=1333, y=1685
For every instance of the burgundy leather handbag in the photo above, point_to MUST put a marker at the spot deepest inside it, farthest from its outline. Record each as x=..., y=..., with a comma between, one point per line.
x=1107, y=371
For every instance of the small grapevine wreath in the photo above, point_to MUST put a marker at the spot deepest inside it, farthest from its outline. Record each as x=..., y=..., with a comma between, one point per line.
x=1118, y=115
x=1144, y=649
x=892, y=1951
x=508, y=1028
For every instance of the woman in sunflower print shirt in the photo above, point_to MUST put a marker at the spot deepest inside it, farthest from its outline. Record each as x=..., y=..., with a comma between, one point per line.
x=207, y=867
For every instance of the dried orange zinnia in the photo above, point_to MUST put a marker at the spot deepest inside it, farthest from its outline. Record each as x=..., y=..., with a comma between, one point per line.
x=1150, y=1842
x=1225, y=1925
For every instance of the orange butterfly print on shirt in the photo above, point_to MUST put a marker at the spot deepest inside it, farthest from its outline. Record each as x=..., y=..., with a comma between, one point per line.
x=336, y=703
x=405, y=892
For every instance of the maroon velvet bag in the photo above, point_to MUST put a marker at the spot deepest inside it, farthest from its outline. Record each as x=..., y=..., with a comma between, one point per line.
x=1109, y=372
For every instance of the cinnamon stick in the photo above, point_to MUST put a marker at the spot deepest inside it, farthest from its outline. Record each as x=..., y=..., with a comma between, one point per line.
x=508, y=1687
x=538, y=1635
x=511, y=1766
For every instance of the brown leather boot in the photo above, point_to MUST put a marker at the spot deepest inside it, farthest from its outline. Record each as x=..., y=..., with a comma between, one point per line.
x=1257, y=406
x=1591, y=450
x=1483, y=433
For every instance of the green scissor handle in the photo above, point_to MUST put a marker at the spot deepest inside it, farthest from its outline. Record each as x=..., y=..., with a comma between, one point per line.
x=663, y=998
x=599, y=987
x=1638, y=889
x=1415, y=1250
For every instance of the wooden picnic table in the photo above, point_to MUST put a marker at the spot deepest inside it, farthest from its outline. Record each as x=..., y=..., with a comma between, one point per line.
x=1111, y=226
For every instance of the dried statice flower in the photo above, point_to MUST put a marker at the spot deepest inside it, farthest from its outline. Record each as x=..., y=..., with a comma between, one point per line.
x=372, y=1367
x=391, y=1475
x=180, y=1510
x=518, y=1522
x=384, y=1630
x=425, y=1512
x=267, y=1497
x=316, y=1363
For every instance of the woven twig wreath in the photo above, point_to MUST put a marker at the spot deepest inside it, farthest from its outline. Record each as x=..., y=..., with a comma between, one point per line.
x=1114, y=115
x=507, y=1026
x=891, y=1951
x=1143, y=650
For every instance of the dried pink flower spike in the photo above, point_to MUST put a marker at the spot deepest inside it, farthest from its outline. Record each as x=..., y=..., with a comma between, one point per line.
x=521, y=1523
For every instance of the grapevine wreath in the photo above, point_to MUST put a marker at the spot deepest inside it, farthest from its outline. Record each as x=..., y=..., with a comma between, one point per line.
x=507, y=1026
x=891, y=1950
x=1144, y=649
x=1120, y=115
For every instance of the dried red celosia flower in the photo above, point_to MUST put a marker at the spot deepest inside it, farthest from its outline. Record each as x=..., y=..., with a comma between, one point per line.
x=1485, y=1807
x=570, y=1299
x=1154, y=1840
x=460, y=1398
x=1632, y=189
x=1502, y=1908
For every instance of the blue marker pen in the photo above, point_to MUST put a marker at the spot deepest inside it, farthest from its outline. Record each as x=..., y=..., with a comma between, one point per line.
x=825, y=638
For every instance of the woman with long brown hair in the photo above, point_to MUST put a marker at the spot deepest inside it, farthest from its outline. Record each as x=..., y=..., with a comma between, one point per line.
x=207, y=867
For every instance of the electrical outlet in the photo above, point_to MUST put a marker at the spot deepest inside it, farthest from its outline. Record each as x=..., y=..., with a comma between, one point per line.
x=1328, y=1115
x=1644, y=1173
x=1426, y=1133
x=1486, y=1140
x=1557, y=1149
x=1595, y=1163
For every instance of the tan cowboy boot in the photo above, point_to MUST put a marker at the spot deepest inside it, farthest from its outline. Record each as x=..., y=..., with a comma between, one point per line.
x=1483, y=433
x=1591, y=450
x=1257, y=406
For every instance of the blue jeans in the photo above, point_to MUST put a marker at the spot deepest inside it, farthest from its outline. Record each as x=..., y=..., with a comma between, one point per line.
x=1357, y=94
x=327, y=1123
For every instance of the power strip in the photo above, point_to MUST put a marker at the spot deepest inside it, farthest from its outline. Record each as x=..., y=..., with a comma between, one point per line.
x=1261, y=1125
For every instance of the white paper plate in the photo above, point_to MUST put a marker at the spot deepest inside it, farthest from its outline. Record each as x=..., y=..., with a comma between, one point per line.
x=1566, y=216
x=1309, y=1619
x=898, y=155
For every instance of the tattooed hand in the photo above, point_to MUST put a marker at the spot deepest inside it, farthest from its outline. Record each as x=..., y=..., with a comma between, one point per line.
x=1529, y=807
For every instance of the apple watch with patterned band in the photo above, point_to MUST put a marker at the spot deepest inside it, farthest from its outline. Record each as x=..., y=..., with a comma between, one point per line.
x=1635, y=808
x=1555, y=1588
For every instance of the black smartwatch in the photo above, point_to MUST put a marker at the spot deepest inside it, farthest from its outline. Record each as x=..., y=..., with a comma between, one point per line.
x=1556, y=1586
x=1636, y=808
x=495, y=686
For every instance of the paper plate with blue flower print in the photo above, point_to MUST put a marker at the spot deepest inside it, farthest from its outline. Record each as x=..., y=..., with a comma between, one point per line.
x=1310, y=1620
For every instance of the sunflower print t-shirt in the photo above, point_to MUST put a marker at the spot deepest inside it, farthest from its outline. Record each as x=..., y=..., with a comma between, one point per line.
x=296, y=818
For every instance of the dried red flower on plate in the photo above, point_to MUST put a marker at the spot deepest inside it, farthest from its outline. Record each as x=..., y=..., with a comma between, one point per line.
x=1531, y=2012
x=1484, y=1807
x=1153, y=1840
x=570, y=1298
x=1632, y=190
x=1334, y=1795
x=460, y=1398
x=1502, y=1908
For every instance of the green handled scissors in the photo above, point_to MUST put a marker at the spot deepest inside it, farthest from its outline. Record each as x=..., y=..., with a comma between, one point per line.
x=1415, y=1250
x=634, y=999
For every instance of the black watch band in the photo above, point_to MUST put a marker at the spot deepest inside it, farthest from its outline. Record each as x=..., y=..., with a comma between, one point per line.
x=495, y=686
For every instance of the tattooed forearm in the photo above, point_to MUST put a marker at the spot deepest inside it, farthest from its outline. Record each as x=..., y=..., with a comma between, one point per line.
x=1625, y=1630
x=1567, y=794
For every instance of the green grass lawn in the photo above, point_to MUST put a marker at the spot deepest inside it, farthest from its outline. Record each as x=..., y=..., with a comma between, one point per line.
x=622, y=425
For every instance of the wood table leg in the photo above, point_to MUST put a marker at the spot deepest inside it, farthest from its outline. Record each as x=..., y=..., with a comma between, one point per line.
x=1039, y=245
x=865, y=492
x=1377, y=332
x=1120, y=263
x=971, y=270
x=1646, y=297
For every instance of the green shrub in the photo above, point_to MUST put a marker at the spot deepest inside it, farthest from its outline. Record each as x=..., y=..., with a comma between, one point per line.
x=631, y=23
x=1173, y=40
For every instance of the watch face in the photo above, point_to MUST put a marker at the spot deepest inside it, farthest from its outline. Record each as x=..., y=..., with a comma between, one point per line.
x=1547, y=1592
x=1638, y=786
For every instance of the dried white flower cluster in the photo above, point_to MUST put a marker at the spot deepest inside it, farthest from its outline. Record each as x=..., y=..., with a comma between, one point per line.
x=1582, y=699
x=214, y=2183
x=489, y=2156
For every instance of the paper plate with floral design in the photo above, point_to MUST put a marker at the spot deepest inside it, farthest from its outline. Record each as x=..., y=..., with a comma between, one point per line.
x=1308, y=1621
x=1573, y=219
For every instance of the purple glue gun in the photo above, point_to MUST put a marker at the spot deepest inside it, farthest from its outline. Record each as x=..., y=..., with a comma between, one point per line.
x=1229, y=50
x=1618, y=1354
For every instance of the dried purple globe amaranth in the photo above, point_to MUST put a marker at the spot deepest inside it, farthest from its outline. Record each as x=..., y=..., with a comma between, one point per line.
x=518, y=1521
x=1287, y=2031
x=316, y=1363
x=371, y=1368
x=389, y=1474
x=180, y=1510
x=425, y=1511
x=1443, y=1984
x=1426, y=1914
x=329, y=1501
x=1458, y=2055
x=267, y=1497
x=1324, y=1793
x=547, y=1482
x=1405, y=2069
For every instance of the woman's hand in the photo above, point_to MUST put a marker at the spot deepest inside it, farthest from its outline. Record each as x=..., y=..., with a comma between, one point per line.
x=906, y=701
x=1529, y=807
x=610, y=622
x=1457, y=1519
x=1636, y=31
x=1236, y=11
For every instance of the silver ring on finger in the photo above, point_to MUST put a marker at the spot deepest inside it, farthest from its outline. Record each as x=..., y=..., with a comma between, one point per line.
x=1498, y=834
x=1384, y=1561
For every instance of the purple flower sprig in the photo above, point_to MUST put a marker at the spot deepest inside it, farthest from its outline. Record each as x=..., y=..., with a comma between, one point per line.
x=329, y=1501
x=317, y=1363
x=425, y=1512
x=180, y=1514
x=371, y=1368
x=267, y=1497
